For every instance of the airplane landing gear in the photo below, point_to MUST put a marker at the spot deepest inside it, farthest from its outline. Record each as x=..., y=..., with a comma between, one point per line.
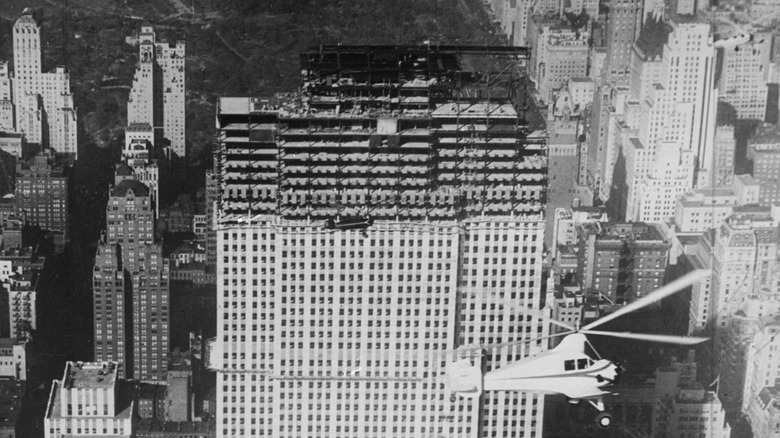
x=604, y=420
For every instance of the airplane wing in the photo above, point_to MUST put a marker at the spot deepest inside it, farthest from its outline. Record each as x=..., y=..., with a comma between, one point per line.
x=584, y=393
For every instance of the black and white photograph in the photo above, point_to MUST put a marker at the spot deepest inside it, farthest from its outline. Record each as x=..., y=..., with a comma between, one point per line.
x=389, y=218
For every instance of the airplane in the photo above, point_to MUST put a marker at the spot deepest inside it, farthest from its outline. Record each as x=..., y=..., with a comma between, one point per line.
x=566, y=369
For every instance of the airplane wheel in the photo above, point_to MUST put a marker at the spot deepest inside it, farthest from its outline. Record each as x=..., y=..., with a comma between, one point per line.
x=604, y=420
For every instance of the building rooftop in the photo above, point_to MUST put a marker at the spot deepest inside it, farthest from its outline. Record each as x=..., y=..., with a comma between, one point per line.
x=766, y=134
x=90, y=375
x=124, y=170
x=770, y=397
x=54, y=408
x=14, y=135
x=183, y=427
x=652, y=38
x=125, y=187
x=138, y=127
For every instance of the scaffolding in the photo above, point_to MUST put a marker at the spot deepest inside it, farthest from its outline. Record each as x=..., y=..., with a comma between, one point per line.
x=388, y=133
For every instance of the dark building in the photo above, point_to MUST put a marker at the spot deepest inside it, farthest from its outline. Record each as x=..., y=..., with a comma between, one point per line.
x=130, y=254
x=110, y=307
x=622, y=261
x=178, y=217
x=42, y=193
x=11, y=395
x=212, y=194
x=176, y=429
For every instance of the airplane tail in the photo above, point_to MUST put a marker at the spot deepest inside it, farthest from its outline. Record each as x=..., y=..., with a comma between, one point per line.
x=463, y=378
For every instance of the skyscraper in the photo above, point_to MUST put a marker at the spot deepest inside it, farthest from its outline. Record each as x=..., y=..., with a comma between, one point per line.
x=88, y=401
x=139, y=292
x=7, y=122
x=744, y=75
x=42, y=193
x=43, y=101
x=157, y=94
x=679, y=123
x=625, y=19
x=358, y=238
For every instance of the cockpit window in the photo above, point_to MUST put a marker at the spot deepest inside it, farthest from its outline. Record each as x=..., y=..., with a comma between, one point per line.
x=568, y=365
x=582, y=363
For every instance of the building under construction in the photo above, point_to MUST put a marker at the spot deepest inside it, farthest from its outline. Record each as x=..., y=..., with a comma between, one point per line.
x=385, y=133
x=387, y=212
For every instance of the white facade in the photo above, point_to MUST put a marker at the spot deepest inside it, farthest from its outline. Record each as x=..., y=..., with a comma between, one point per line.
x=512, y=16
x=582, y=90
x=21, y=308
x=291, y=322
x=562, y=54
x=157, y=97
x=704, y=209
x=763, y=362
x=678, y=129
x=13, y=359
x=7, y=122
x=41, y=98
x=700, y=310
x=85, y=403
x=744, y=75
x=693, y=411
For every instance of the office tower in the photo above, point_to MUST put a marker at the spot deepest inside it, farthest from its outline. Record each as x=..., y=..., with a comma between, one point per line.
x=622, y=261
x=139, y=162
x=704, y=209
x=678, y=130
x=559, y=52
x=141, y=298
x=88, y=401
x=110, y=304
x=617, y=118
x=740, y=356
x=212, y=198
x=43, y=101
x=723, y=167
x=763, y=367
x=625, y=20
x=686, y=408
x=700, y=309
x=358, y=241
x=42, y=192
x=764, y=152
x=743, y=259
x=646, y=56
x=744, y=76
x=7, y=122
x=157, y=95
x=513, y=17
x=22, y=304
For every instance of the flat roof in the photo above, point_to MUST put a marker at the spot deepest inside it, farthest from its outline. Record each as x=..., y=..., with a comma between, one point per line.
x=90, y=375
